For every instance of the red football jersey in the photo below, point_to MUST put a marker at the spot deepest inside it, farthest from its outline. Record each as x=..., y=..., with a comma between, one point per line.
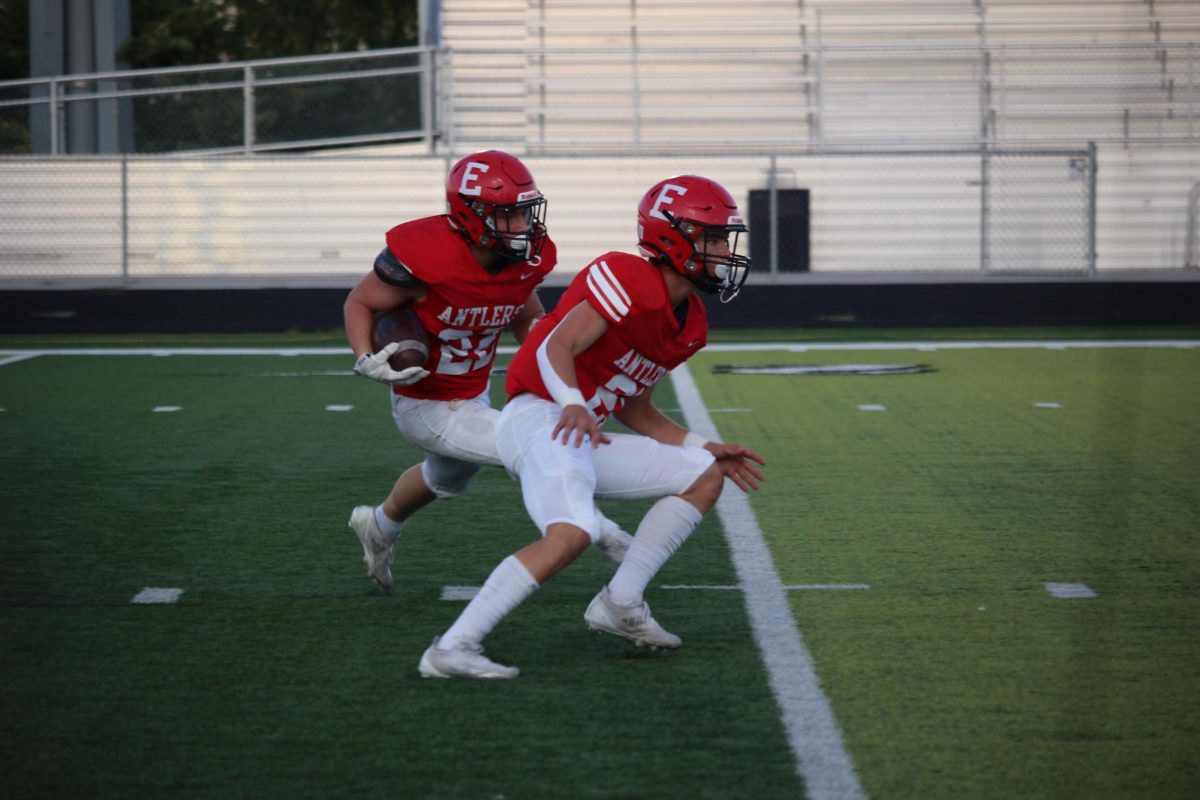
x=466, y=307
x=643, y=342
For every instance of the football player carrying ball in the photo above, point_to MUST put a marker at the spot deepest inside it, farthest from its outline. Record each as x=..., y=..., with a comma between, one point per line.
x=468, y=275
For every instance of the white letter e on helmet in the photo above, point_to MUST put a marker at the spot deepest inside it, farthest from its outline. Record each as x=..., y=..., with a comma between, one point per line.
x=665, y=197
x=471, y=175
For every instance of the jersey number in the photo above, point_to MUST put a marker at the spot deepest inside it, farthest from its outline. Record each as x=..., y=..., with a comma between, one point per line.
x=466, y=351
x=611, y=396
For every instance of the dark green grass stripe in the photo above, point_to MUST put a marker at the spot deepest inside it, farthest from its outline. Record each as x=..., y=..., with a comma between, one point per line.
x=281, y=671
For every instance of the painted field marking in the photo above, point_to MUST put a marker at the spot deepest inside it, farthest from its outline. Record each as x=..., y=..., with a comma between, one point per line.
x=468, y=592
x=11, y=356
x=1047, y=404
x=460, y=592
x=1070, y=591
x=821, y=587
x=872, y=407
x=339, y=408
x=152, y=596
x=934, y=346
x=816, y=740
x=166, y=409
x=312, y=374
x=798, y=587
x=702, y=586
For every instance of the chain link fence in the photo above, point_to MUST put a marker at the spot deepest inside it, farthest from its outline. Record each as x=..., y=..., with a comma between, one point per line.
x=280, y=219
x=1038, y=208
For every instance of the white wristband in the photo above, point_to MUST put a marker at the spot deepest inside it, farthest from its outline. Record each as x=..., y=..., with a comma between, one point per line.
x=694, y=440
x=569, y=396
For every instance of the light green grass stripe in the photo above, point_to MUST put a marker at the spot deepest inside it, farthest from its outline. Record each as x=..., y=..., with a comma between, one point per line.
x=816, y=740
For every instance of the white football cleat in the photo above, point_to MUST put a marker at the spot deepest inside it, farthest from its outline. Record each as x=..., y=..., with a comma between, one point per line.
x=378, y=548
x=613, y=541
x=461, y=661
x=631, y=622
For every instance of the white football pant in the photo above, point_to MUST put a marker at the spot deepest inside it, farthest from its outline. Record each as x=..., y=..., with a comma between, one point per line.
x=560, y=482
x=458, y=437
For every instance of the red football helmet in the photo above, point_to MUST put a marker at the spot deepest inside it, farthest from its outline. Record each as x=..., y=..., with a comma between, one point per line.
x=675, y=220
x=493, y=201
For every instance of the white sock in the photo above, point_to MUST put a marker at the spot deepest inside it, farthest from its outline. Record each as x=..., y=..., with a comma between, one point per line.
x=666, y=526
x=505, y=589
x=386, y=524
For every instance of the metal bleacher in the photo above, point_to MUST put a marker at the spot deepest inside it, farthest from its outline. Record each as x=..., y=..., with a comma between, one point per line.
x=615, y=74
x=557, y=76
x=814, y=78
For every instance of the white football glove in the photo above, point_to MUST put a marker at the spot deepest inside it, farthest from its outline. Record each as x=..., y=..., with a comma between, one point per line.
x=376, y=367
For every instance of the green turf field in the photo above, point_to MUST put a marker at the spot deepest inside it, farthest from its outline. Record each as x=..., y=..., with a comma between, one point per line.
x=282, y=672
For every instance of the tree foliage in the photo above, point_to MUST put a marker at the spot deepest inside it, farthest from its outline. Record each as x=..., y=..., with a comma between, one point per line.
x=171, y=33
x=14, y=39
x=14, y=65
x=168, y=33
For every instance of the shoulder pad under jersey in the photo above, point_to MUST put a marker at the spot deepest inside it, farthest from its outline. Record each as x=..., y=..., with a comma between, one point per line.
x=392, y=271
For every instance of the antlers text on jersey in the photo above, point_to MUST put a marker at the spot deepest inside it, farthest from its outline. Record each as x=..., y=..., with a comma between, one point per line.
x=478, y=316
x=640, y=368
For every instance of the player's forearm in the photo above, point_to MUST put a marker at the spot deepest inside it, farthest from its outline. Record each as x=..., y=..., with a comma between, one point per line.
x=357, y=319
x=646, y=419
x=529, y=315
x=557, y=367
x=521, y=326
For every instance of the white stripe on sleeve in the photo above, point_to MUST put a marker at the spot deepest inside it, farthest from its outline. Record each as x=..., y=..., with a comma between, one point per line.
x=608, y=291
x=616, y=284
x=600, y=298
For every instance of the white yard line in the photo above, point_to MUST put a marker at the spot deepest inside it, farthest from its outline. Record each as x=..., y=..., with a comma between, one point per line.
x=1071, y=591
x=928, y=346
x=186, y=351
x=795, y=587
x=155, y=596
x=812, y=730
x=11, y=356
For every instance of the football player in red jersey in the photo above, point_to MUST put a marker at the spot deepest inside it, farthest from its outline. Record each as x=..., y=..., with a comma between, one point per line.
x=468, y=274
x=622, y=324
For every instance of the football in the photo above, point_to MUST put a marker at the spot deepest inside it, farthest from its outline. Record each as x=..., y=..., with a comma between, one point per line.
x=401, y=325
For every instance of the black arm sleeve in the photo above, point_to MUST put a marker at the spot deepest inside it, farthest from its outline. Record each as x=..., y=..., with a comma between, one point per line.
x=392, y=271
